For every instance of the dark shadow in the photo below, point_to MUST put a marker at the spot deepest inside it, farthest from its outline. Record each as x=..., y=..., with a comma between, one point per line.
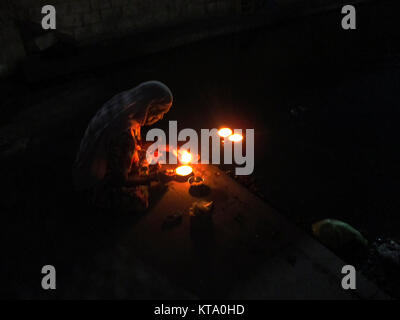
x=156, y=191
x=199, y=191
x=219, y=194
x=202, y=233
x=182, y=178
x=172, y=221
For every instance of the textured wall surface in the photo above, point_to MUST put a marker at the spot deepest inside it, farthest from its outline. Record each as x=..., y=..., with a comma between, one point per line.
x=11, y=46
x=94, y=19
x=91, y=21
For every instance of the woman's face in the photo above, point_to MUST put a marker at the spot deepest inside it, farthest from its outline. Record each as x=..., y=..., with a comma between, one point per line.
x=156, y=113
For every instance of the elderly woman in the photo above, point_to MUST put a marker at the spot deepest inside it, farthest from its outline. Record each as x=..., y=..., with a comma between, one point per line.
x=108, y=164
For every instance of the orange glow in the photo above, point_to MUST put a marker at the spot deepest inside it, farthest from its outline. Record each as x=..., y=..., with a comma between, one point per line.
x=224, y=132
x=185, y=157
x=236, y=137
x=183, y=170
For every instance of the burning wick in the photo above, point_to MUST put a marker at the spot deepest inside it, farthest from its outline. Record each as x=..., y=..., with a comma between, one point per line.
x=236, y=137
x=224, y=132
x=184, y=170
x=185, y=157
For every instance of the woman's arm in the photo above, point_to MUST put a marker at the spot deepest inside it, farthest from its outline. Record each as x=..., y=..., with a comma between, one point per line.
x=122, y=159
x=141, y=180
x=122, y=156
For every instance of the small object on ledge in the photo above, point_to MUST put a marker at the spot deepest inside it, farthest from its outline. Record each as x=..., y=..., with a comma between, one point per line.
x=172, y=220
x=201, y=224
x=201, y=208
x=170, y=172
x=197, y=187
x=168, y=175
x=196, y=181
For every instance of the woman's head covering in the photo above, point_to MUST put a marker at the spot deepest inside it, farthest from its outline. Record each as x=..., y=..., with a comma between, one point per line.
x=117, y=114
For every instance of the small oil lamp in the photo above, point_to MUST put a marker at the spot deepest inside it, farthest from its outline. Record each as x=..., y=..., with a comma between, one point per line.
x=235, y=137
x=183, y=172
x=197, y=186
x=224, y=132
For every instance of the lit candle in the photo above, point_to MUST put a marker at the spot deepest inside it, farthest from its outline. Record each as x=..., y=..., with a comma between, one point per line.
x=224, y=132
x=184, y=171
x=185, y=157
x=235, y=137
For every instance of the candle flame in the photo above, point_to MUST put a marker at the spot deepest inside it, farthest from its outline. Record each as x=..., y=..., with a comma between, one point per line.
x=224, y=132
x=185, y=157
x=183, y=170
x=236, y=137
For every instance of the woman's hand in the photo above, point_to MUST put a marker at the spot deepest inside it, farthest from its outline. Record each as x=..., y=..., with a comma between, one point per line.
x=135, y=130
x=137, y=180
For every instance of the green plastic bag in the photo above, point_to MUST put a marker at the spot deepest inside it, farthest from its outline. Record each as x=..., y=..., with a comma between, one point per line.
x=337, y=234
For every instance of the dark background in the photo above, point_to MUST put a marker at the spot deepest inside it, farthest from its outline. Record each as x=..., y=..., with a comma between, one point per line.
x=323, y=102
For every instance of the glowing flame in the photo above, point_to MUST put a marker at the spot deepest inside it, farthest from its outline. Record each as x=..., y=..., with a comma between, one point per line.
x=224, y=132
x=183, y=170
x=236, y=137
x=185, y=157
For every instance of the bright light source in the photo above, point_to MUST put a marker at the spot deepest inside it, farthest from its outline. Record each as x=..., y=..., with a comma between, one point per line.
x=224, y=132
x=183, y=170
x=236, y=137
x=185, y=157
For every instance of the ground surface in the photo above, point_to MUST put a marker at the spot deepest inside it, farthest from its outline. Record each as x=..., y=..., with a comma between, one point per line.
x=325, y=113
x=242, y=248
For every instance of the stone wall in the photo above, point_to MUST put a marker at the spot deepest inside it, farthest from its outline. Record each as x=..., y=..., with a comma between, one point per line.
x=91, y=21
x=12, y=49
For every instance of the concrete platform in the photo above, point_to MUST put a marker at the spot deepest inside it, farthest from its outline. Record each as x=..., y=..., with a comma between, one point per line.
x=248, y=251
